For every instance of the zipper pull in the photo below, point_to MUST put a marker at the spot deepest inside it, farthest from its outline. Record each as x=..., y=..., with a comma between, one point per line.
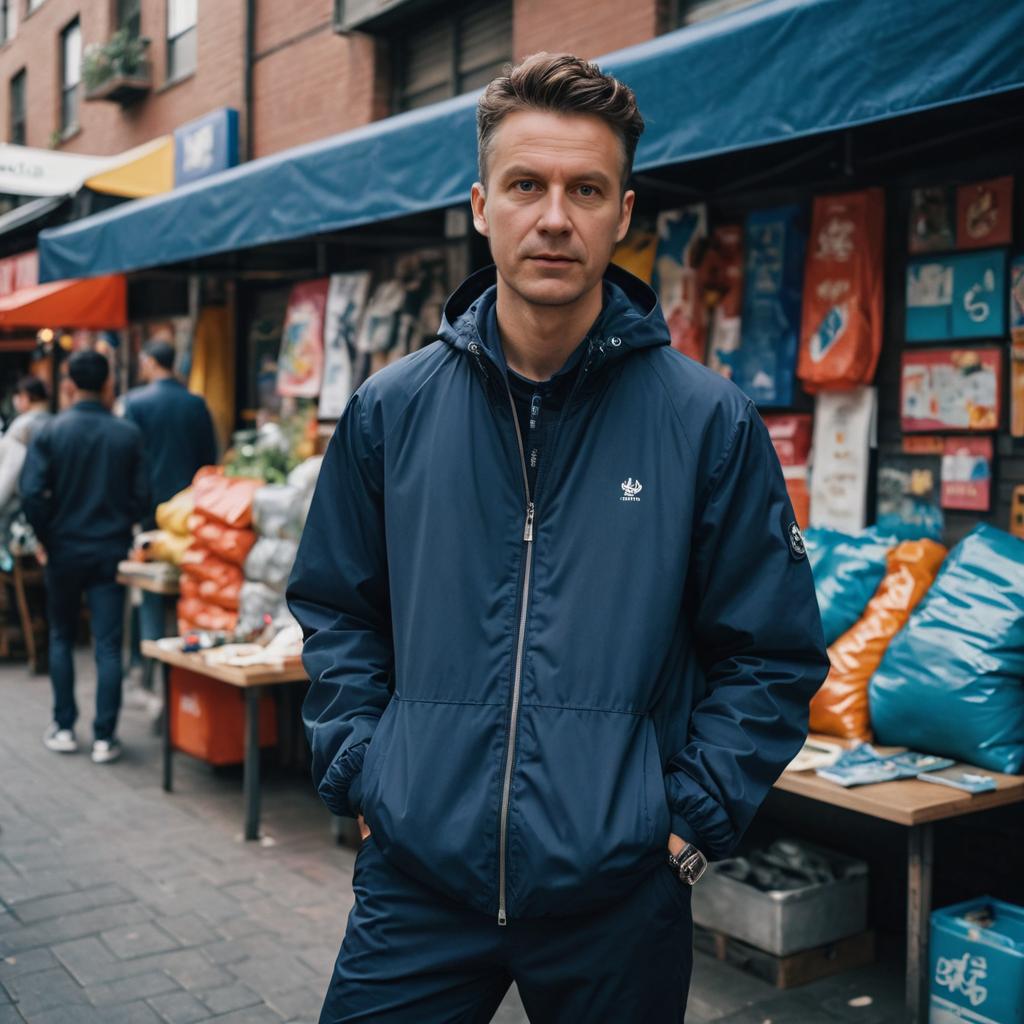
x=528, y=531
x=534, y=410
x=501, y=917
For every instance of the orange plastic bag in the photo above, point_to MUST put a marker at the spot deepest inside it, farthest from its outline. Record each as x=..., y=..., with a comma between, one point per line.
x=228, y=543
x=209, y=592
x=195, y=614
x=840, y=707
x=203, y=564
x=227, y=499
x=841, y=329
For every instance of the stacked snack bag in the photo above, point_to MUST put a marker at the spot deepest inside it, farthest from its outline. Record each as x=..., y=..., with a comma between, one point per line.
x=222, y=537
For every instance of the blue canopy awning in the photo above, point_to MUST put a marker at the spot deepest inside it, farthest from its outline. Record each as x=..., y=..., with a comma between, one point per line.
x=778, y=70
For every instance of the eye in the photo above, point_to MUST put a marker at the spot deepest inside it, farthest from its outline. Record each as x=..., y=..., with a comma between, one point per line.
x=525, y=186
x=588, y=191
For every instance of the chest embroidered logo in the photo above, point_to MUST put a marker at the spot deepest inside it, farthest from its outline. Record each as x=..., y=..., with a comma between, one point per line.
x=631, y=490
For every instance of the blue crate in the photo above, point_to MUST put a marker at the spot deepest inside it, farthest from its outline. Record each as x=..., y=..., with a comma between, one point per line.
x=977, y=963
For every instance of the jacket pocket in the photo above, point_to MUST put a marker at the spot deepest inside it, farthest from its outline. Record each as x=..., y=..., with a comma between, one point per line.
x=373, y=760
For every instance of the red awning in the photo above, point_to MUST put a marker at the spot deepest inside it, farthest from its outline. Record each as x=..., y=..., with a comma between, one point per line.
x=99, y=303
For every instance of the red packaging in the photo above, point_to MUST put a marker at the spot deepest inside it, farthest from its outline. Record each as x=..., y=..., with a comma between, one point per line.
x=791, y=435
x=984, y=214
x=841, y=328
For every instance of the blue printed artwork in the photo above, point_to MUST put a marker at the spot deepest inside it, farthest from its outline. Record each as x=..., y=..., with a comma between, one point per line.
x=958, y=296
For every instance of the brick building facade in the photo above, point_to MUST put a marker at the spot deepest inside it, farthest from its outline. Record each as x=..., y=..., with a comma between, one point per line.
x=307, y=79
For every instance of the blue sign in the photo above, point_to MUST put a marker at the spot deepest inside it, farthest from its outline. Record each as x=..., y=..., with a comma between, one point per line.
x=205, y=146
x=957, y=296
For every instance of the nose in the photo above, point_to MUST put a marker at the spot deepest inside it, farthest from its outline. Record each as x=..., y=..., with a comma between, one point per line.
x=554, y=218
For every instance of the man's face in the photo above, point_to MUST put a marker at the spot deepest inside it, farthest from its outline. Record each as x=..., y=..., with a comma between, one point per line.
x=552, y=207
x=21, y=402
x=146, y=364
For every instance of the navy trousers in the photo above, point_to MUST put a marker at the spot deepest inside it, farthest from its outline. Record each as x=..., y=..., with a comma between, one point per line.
x=65, y=584
x=413, y=956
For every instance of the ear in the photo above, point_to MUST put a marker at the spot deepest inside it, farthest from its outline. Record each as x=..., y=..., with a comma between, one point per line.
x=625, y=214
x=478, y=200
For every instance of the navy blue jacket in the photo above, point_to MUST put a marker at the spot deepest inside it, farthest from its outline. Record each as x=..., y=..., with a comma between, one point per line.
x=84, y=485
x=524, y=702
x=178, y=434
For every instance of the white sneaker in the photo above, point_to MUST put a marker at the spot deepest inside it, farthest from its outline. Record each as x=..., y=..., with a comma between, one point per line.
x=105, y=751
x=61, y=741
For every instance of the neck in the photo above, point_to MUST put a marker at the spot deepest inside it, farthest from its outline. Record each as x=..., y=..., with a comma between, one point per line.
x=163, y=375
x=88, y=396
x=537, y=340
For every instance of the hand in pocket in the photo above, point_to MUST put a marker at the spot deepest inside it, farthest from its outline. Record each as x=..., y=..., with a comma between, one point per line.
x=364, y=830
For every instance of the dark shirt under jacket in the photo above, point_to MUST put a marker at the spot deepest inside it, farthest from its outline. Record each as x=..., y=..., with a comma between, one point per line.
x=177, y=432
x=84, y=484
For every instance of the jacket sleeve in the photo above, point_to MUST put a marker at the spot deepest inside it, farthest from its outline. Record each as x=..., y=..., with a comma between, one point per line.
x=338, y=592
x=207, y=437
x=36, y=486
x=757, y=630
x=141, y=494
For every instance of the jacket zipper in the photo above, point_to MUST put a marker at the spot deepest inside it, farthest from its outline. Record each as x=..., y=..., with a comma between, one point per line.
x=521, y=640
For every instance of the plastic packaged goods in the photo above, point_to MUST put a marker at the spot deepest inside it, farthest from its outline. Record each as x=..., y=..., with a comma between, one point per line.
x=230, y=544
x=205, y=565
x=841, y=328
x=256, y=602
x=173, y=514
x=227, y=499
x=840, y=707
x=950, y=682
x=278, y=510
x=270, y=561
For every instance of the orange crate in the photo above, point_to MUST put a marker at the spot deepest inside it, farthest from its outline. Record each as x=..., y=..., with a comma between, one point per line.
x=208, y=718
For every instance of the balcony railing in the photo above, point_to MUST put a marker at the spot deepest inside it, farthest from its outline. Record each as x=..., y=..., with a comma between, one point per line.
x=117, y=71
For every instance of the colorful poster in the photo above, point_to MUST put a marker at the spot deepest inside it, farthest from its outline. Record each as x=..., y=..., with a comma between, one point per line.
x=931, y=219
x=841, y=331
x=346, y=300
x=791, y=437
x=958, y=296
x=681, y=238
x=635, y=253
x=1017, y=298
x=844, y=434
x=951, y=389
x=984, y=214
x=722, y=277
x=908, y=493
x=773, y=246
x=301, y=362
x=1017, y=389
x=967, y=473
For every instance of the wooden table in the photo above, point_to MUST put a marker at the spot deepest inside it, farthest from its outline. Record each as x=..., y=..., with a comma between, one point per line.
x=916, y=806
x=251, y=679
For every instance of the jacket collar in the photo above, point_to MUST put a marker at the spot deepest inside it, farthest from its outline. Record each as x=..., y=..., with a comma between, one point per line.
x=630, y=320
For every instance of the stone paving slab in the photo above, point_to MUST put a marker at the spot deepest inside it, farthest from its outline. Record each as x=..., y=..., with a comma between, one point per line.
x=120, y=904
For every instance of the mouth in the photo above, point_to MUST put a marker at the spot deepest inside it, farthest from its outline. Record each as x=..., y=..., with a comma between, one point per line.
x=553, y=260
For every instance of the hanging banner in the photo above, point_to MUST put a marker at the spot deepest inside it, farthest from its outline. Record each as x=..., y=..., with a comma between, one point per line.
x=636, y=252
x=772, y=285
x=958, y=296
x=841, y=330
x=681, y=238
x=967, y=473
x=932, y=219
x=301, y=362
x=722, y=276
x=984, y=214
x=346, y=300
x=844, y=434
x=791, y=438
x=951, y=389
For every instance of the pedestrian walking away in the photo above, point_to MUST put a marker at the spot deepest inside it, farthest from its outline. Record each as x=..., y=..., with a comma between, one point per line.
x=179, y=439
x=83, y=486
x=559, y=623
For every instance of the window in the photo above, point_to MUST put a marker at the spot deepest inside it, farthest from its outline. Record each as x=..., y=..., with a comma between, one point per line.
x=129, y=16
x=70, y=74
x=8, y=20
x=454, y=51
x=17, y=108
x=181, y=38
x=691, y=11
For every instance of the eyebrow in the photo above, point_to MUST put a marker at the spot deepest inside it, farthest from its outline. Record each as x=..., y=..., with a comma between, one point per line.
x=522, y=171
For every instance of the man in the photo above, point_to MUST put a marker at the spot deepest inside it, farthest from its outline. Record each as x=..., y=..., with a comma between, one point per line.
x=83, y=487
x=558, y=617
x=179, y=439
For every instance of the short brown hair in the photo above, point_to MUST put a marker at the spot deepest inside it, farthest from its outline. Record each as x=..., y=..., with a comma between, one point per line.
x=561, y=84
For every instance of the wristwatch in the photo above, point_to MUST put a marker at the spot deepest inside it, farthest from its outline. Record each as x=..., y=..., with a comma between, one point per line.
x=689, y=864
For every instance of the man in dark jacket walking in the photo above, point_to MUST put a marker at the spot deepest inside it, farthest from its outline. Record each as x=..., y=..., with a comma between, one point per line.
x=179, y=439
x=83, y=487
x=558, y=618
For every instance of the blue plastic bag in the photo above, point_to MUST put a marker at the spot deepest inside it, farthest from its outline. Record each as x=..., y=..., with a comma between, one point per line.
x=847, y=570
x=952, y=682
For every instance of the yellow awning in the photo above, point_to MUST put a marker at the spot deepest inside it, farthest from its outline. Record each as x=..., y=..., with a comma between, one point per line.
x=146, y=170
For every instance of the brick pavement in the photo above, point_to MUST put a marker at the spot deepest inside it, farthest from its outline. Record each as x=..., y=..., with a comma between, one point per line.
x=120, y=904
